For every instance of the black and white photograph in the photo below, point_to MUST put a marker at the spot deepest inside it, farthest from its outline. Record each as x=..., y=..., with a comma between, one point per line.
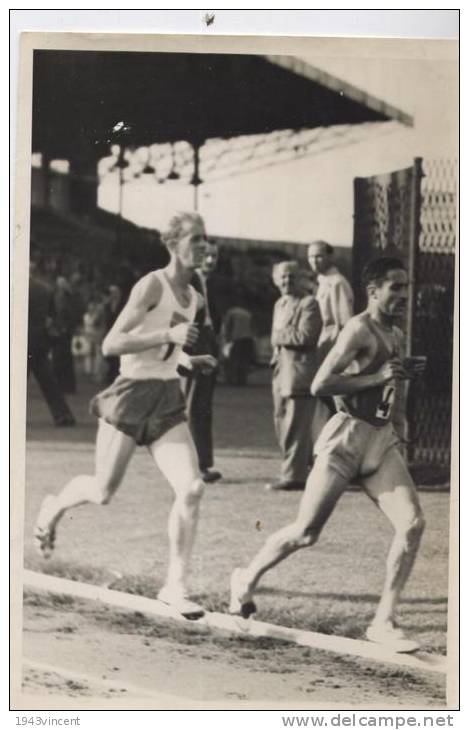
x=234, y=472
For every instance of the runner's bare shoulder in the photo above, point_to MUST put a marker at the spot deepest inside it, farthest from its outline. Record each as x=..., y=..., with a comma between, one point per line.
x=357, y=328
x=147, y=292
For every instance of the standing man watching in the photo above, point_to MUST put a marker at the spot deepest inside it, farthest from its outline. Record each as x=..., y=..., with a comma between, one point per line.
x=65, y=324
x=335, y=298
x=41, y=315
x=200, y=386
x=358, y=445
x=334, y=293
x=145, y=406
x=112, y=308
x=296, y=327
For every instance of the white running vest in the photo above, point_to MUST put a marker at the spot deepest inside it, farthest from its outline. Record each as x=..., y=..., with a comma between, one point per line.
x=159, y=362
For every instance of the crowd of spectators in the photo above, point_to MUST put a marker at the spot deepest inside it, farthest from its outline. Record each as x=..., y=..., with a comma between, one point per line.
x=90, y=273
x=86, y=299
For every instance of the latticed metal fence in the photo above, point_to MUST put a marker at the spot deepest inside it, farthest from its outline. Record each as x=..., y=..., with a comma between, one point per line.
x=411, y=213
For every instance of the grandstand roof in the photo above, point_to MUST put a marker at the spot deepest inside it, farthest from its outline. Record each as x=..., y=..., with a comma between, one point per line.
x=78, y=97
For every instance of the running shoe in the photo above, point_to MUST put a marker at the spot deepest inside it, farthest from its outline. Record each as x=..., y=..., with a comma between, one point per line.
x=241, y=602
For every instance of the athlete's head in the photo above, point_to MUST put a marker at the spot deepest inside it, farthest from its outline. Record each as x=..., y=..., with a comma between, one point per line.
x=210, y=259
x=385, y=280
x=185, y=238
x=320, y=256
x=286, y=277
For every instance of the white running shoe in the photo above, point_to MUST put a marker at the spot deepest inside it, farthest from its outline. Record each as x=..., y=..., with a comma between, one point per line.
x=178, y=600
x=44, y=531
x=391, y=637
x=241, y=602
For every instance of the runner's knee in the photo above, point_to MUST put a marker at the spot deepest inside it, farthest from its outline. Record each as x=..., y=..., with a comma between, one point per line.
x=417, y=526
x=105, y=489
x=412, y=529
x=308, y=538
x=101, y=496
x=303, y=536
x=194, y=492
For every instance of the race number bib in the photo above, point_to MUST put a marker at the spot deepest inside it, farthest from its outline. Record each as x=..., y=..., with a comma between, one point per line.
x=175, y=319
x=384, y=407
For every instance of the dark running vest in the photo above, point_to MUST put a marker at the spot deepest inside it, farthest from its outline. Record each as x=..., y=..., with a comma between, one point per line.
x=373, y=405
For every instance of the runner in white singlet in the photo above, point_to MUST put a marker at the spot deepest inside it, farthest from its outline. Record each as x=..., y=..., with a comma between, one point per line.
x=145, y=405
x=357, y=444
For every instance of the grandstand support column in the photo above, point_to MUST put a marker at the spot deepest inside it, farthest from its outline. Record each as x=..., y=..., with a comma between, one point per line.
x=45, y=164
x=83, y=186
x=196, y=180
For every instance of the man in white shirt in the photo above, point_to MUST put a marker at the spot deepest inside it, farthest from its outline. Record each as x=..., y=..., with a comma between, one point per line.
x=334, y=294
x=335, y=298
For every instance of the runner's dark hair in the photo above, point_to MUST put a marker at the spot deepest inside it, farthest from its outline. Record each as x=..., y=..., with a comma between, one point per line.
x=376, y=271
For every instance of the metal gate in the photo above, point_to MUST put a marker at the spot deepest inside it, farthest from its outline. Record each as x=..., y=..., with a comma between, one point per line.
x=411, y=214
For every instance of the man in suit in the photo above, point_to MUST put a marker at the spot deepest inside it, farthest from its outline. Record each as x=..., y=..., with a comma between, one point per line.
x=200, y=387
x=296, y=328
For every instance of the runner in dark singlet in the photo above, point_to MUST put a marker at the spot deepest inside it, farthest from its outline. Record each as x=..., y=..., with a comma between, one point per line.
x=358, y=444
x=374, y=405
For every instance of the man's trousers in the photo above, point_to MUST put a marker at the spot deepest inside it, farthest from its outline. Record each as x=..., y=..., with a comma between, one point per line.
x=298, y=421
x=199, y=396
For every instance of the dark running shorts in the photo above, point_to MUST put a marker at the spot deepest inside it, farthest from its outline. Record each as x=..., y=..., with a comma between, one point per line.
x=142, y=409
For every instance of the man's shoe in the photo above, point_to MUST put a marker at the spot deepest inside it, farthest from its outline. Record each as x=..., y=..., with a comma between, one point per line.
x=285, y=485
x=391, y=637
x=209, y=476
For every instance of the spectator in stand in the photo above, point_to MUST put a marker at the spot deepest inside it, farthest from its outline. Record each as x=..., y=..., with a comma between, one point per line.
x=113, y=305
x=78, y=301
x=40, y=318
x=237, y=342
x=94, y=332
x=65, y=323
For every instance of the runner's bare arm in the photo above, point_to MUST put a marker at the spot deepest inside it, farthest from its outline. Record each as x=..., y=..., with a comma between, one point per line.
x=121, y=340
x=331, y=379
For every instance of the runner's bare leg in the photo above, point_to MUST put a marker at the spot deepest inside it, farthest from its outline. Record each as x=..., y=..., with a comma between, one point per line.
x=113, y=452
x=175, y=455
x=392, y=489
x=323, y=488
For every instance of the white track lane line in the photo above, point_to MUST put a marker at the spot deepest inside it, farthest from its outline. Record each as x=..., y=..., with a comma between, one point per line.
x=237, y=625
